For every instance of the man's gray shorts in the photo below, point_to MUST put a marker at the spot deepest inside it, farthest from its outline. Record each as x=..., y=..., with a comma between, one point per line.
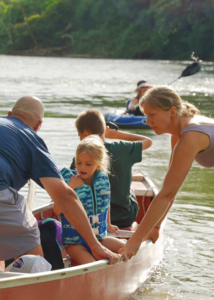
x=19, y=231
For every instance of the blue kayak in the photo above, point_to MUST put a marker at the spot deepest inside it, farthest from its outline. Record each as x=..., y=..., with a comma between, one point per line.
x=127, y=121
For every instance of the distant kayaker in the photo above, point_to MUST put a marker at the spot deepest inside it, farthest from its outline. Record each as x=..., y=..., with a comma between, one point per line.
x=24, y=156
x=133, y=104
x=124, y=154
x=192, y=138
x=91, y=183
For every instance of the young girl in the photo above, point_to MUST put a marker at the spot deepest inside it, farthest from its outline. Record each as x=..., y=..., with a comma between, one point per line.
x=91, y=184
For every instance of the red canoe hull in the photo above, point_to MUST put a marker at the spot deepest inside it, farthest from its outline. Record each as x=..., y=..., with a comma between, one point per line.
x=114, y=282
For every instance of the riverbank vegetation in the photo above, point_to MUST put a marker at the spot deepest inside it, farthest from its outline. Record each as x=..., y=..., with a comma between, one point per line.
x=154, y=29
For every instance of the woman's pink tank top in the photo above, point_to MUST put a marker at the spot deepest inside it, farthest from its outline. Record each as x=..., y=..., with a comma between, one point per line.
x=206, y=157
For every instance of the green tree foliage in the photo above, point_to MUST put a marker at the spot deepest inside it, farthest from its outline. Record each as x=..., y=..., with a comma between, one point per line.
x=163, y=29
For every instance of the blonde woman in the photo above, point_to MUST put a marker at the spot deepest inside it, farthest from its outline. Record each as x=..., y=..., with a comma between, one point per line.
x=192, y=138
x=91, y=184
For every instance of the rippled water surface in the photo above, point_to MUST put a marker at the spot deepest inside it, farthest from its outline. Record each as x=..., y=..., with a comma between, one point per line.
x=67, y=86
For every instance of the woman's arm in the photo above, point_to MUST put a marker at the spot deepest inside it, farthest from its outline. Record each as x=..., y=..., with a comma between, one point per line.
x=154, y=233
x=131, y=137
x=182, y=158
x=174, y=140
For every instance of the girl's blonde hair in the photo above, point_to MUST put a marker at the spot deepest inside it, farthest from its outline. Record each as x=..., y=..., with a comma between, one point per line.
x=94, y=146
x=163, y=97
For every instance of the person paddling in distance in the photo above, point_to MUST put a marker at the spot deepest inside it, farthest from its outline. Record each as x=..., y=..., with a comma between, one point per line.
x=133, y=104
x=192, y=138
x=90, y=182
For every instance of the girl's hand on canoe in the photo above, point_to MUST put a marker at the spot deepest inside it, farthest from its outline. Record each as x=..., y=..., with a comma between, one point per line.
x=101, y=252
x=112, y=228
x=130, y=249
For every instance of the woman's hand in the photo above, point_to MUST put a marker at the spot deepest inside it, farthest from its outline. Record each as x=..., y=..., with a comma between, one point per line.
x=112, y=228
x=153, y=235
x=130, y=249
x=75, y=182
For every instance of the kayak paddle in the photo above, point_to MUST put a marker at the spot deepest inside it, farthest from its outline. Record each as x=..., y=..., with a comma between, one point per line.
x=112, y=125
x=191, y=69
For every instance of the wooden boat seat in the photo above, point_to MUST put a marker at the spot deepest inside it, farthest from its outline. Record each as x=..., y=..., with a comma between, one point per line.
x=144, y=194
x=141, y=189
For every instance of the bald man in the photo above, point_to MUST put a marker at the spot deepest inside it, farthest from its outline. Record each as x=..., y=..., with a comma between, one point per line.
x=24, y=156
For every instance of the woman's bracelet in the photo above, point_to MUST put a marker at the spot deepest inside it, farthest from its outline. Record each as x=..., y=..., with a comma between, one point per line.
x=157, y=227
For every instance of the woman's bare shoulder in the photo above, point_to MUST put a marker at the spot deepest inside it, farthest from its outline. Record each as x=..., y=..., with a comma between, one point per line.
x=200, y=120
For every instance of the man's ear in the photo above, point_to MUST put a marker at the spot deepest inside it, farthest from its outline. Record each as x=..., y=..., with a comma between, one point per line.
x=9, y=113
x=38, y=125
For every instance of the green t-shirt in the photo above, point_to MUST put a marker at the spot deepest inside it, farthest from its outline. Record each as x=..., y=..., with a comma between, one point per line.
x=124, y=207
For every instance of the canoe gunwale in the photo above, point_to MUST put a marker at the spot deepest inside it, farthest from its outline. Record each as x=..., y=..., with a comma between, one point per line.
x=26, y=279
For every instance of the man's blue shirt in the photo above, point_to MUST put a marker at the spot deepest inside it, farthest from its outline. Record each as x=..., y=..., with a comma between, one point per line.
x=23, y=155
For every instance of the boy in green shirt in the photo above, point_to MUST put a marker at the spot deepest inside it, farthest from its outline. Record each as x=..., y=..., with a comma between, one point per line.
x=124, y=206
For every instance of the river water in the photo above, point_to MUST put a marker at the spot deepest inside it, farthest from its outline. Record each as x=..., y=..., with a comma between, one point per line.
x=69, y=85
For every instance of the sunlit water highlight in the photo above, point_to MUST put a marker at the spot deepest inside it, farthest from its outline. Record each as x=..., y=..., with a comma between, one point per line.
x=68, y=86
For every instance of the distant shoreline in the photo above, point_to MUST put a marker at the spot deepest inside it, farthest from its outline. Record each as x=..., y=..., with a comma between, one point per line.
x=62, y=52
x=50, y=52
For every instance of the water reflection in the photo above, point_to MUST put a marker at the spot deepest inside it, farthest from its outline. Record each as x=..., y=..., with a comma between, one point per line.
x=103, y=83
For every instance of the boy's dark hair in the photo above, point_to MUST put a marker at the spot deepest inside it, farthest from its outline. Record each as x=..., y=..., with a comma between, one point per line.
x=91, y=120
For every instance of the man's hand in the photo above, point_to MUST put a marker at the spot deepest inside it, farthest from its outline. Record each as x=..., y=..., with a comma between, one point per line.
x=100, y=252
